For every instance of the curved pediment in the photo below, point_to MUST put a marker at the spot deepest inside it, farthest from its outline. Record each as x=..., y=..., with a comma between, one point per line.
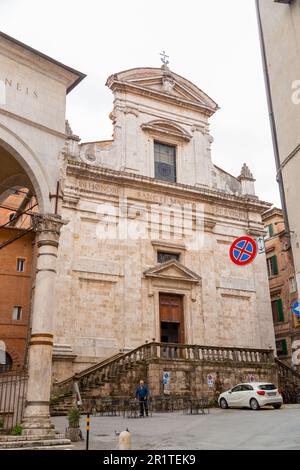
x=162, y=83
x=173, y=270
x=166, y=128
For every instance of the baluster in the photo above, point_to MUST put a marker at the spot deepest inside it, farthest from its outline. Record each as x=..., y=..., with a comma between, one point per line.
x=196, y=356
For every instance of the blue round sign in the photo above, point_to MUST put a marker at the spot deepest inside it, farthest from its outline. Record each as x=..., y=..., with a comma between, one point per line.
x=296, y=308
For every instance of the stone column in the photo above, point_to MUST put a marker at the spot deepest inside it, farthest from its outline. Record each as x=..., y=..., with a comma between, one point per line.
x=36, y=421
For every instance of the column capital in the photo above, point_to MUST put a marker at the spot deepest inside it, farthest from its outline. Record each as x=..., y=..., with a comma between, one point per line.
x=48, y=223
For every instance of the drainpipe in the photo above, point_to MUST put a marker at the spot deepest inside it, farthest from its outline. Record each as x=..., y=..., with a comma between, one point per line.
x=272, y=120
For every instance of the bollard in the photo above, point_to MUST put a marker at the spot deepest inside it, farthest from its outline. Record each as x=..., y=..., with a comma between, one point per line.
x=124, y=440
x=87, y=430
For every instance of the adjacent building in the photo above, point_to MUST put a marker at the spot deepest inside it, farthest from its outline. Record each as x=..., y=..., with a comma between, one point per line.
x=16, y=265
x=283, y=286
x=279, y=27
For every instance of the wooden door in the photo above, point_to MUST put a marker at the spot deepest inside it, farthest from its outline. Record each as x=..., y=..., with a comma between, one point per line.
x=171, y=318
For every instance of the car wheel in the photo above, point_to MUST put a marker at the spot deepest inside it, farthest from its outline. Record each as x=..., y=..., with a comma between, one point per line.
x=254, y=405
x=223, y=404
x=277, y=406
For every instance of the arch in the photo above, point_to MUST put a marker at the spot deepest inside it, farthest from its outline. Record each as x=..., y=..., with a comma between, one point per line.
x=28, y=161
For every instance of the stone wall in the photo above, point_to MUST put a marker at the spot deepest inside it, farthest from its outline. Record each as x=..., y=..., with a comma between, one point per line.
x=191, y=378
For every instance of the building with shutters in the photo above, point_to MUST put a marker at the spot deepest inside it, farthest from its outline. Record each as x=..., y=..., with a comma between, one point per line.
x=279, y=30
x=283, y=286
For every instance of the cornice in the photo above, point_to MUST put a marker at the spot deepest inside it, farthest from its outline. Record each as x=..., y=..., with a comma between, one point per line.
x=160, y=96
x=27, y=56
x=98, y=174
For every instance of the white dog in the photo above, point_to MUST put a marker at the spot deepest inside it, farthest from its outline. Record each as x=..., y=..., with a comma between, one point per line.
x=124, y=440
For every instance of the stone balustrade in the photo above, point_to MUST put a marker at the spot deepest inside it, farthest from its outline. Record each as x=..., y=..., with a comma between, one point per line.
x=106, y=371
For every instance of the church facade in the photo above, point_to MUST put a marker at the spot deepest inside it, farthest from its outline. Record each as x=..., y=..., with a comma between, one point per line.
x=131, y=236
x=145, y=253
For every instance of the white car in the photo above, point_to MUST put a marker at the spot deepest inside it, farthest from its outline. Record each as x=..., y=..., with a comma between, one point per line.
x=251, y=395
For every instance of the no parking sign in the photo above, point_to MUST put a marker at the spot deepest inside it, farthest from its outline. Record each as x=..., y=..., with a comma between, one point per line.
x=210, y=380
x=243, y=251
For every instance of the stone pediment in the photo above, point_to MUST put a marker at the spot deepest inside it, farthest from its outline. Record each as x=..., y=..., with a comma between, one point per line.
x=167, y=128
x=162, y=84
x=173, y=270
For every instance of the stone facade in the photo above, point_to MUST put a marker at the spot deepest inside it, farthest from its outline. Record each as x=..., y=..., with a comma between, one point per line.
x=33, y=90
x=120, y=217
x=283, y=288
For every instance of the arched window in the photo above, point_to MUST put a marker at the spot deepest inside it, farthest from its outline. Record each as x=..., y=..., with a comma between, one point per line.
x=8, y=364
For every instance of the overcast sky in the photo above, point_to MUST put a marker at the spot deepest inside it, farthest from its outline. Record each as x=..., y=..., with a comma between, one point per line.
x=212, y=43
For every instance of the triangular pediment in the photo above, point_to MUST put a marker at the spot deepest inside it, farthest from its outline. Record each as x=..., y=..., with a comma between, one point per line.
x=164, y=83
x=173, y=270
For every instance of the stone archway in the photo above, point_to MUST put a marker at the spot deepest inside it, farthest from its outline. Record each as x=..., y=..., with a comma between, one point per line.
x=19, y=167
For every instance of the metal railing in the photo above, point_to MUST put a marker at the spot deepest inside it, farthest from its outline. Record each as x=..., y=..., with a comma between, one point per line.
x=289, y=382
x=13, y=387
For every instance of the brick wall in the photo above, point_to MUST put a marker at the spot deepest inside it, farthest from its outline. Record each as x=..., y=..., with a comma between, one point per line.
x=15, y=290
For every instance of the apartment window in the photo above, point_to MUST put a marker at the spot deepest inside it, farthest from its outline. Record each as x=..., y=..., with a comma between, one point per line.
x=270, y=231
x=17, y=313
x=293, y=285
x=277, y=310
x=272, y=266
x=20, y=265
x=281, y=347
x=163, y=256
x=165, y=161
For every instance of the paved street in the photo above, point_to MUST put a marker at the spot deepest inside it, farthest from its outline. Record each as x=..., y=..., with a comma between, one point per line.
x=220, y=429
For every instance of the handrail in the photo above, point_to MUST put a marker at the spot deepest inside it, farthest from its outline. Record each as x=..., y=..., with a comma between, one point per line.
x=286, y=367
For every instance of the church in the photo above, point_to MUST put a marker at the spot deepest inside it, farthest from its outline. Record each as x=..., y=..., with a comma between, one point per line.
x=130, y=237
x=145, y=253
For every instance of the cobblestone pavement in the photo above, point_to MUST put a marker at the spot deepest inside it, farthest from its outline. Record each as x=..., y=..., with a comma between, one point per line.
x=220, y=429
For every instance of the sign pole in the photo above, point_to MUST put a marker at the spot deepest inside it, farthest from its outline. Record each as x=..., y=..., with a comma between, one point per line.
x=87, y=430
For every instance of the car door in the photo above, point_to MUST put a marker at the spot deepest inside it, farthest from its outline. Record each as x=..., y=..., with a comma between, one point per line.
x=234, y=396
x=245, y=395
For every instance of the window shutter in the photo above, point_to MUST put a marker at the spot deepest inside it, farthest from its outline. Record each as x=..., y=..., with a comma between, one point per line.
x=284, y=347
x=275, y=265
x=280, y=310
x=271, y=231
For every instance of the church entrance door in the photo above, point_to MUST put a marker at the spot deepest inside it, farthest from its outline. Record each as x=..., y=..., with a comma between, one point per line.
x=171, y=318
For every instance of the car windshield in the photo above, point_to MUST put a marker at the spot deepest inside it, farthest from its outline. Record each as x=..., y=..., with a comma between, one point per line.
x=267, y=387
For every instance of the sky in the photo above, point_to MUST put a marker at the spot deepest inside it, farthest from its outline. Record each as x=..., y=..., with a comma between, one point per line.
x=213, y=43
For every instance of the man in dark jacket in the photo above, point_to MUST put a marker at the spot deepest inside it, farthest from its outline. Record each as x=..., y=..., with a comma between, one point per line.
x=141, y=394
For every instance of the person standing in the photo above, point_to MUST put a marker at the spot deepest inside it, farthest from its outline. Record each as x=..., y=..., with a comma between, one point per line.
x=142, y=394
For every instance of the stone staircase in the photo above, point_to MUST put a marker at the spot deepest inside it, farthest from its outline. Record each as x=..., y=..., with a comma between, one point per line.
x=63, y=394
x=288, y=379
x=118, y=376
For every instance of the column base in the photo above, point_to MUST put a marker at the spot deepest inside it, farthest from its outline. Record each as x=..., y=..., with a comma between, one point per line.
x=38, y=426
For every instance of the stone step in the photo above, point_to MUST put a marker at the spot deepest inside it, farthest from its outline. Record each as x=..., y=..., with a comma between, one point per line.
x=35, y=443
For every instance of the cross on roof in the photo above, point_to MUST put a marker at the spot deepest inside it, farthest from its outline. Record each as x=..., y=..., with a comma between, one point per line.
x=164, y=58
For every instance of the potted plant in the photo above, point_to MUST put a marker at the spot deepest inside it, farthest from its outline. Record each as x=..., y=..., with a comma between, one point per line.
x=73, y=432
